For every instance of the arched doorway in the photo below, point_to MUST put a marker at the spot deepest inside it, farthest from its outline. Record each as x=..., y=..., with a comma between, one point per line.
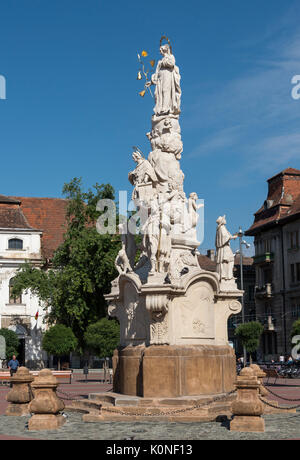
x=22, y=336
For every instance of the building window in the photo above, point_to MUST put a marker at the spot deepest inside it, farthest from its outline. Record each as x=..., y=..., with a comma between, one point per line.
x=267, y=246
x=268, y=276
x=296, y=310
x=294, y=240
x=12, y=299
x=298, y=272
x=15, y=243
x=295, y=272
x=251, y=290
x=293, y=277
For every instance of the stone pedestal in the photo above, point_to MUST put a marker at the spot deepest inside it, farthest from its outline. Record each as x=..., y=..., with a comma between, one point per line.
x=20, y=395
x=44, y=422
x=46, y=405
x=174, y=371
x=173, y=337
x=260, y=374
x=247, y=409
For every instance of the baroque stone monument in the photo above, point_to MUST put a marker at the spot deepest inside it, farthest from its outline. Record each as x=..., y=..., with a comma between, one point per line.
x=173, y=314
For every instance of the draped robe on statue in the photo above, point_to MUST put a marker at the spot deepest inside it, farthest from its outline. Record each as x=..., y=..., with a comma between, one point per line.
x=225, y=257
x=167, y=91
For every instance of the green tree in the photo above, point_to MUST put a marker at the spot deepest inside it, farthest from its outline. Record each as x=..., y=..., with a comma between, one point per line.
x=59, y=340
x=249, y=334
x=82, y=267
x=295, y=328
x=12, y=342
x=103, y=337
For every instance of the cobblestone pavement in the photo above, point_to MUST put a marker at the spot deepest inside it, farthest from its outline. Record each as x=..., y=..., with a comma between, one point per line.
x=79, y=388
x=279, y=426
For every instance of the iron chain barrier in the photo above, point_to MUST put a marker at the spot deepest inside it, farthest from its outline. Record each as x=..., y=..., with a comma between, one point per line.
x=70, y=396
x=268, y=403
x=171, y=412
x=74, y=397
x=282, y=397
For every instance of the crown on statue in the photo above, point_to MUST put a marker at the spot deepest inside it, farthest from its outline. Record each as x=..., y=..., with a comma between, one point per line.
x=163, y=39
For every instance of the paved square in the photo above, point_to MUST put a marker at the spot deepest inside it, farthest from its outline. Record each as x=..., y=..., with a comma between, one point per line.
x=279, y=426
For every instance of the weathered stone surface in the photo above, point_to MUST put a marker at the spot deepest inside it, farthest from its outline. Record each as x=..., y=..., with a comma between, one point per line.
x=20, y=394
x=246, y=424
x=174, y=371
x=125, y=408
x=44, y=422
x=260, y=376
x=45, y=405
x=247, y=408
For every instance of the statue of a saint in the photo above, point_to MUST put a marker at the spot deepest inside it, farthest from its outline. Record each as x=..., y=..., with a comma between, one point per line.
x=122, y=263
x=143, y=173
x=225, y=256
x=157, y=237
x=167, y=82
x=128, y=243
x=192, y=218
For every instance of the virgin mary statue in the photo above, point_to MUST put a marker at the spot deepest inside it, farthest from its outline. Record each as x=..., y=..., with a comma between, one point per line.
x=167, y=82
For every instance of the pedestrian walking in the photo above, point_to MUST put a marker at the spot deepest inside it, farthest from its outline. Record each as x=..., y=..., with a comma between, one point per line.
x=13, y=366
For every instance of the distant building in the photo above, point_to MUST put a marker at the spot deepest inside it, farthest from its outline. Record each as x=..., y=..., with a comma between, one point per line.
x=277, y=260
x=30, y=231
x=208, y=263
x=249, y=298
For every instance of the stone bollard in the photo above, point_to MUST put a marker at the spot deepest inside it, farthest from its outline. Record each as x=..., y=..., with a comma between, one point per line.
x=247, y=408
x=46, y=405
x=260, y=374
x=20, y=395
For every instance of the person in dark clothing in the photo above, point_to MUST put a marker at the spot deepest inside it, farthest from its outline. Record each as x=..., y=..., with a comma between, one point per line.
x=13, y=366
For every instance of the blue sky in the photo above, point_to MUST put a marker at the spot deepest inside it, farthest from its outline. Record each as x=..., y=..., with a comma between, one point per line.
x=73, y=109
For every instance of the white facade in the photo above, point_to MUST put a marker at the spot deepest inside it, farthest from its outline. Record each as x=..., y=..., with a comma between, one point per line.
x=19, y=314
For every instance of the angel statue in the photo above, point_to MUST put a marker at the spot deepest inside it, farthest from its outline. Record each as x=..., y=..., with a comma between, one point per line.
x=167, y=82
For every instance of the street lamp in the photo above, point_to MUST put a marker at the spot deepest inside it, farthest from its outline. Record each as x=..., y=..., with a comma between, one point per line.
x=247, y=245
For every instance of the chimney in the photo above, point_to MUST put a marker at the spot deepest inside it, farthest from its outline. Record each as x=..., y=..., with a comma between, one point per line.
x=211, y=254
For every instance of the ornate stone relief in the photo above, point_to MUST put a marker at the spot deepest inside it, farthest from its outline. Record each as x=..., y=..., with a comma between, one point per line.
x=166, y=298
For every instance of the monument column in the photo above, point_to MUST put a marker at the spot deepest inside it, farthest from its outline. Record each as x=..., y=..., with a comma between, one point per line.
x=173, y=314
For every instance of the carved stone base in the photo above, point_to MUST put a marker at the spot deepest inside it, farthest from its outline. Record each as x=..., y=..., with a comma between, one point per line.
x=247, y=424
x=17, y=410
x=40, y=422
x=174, y=371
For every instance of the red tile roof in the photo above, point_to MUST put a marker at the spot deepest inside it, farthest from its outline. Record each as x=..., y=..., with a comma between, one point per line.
x=282, y=203
x=247, y=261
x=7, y=200
x=12, y=217
x=49, y=216
x=206, y=263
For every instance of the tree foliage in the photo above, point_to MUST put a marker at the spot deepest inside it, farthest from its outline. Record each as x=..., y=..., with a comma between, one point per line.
x=295, y=328
x=12, y=342
x=59, y=340
x=82, y=267
x=249, y=334
x=103, y=337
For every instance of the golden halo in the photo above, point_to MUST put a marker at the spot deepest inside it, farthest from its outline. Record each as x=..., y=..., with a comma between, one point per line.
x=164, y=37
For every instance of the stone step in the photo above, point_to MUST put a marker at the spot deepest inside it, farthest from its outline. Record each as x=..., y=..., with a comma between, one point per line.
x=123, y=400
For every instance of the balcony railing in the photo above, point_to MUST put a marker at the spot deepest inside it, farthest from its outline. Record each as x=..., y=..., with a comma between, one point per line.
x=264, y=291
x=269, y=323
x=265, y=258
